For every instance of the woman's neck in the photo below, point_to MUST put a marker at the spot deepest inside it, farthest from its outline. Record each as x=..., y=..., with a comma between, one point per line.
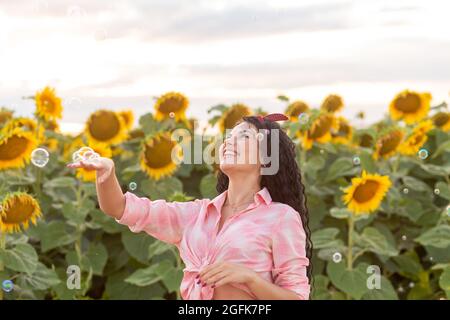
x=242, y=189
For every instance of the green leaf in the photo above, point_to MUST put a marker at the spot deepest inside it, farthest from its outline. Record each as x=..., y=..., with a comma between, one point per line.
x=22, y=258
x=353, y=282
x=41, y=279
x=157, y=248
x=326, y=238
x=55, y=235
x=60, y=182
x=408, y=265
x=340, y=213
x=444, y=147
x=97, y=256
x=436, y=170
x=172, y=279
x=117, y=289
x=415, y=184
x=137, y=245
x=444, y=281
x=208, y=186
x=367, y=162
x=373, y=240
x=444, y=189
x=144, y=277
x=438, y=236
x=341, y=167
x=73, y=214
x=386, y=291
x=161, y=189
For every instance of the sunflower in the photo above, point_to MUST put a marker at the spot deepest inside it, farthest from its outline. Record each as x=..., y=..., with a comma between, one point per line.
x=410, y=106
x=26, y=124
x=52, y=125
x=416, y=139
x=90, y=175
x=105, y=127
x=388, y=144
x=15, y=148
x=171, y=105
x=18, y=209
x=5, y=115
x=332, y=103
x=442, y=121
x=128, y=118
x=365, y=193
x=320, y=131
x=344, y=132
x=48, y=105
x=295, y=109
x=156, y=156
x=233, y=115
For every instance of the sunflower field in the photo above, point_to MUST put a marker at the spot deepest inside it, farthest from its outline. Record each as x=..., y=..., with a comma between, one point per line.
x=378, y=198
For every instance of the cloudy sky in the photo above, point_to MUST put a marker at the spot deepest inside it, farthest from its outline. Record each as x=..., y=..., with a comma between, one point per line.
x=121, y=53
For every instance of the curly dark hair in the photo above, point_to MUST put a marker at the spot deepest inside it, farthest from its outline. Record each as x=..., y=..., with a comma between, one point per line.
x=286, y=185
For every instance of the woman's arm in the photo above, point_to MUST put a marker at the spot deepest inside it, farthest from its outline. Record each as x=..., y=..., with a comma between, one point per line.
x=110, y=196
x=265, y=290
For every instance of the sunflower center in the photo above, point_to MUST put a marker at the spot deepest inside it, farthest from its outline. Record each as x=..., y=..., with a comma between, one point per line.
x=172, y=104
x=159, y=155
x=390, y=143
x=409, y=103
x=234, y=115
x=441, y=119
x=14, y=147
x=104, y=125
x=366, y=141
x=321, y=128
x=18, y=212
x=366, y=191
x=48, y=104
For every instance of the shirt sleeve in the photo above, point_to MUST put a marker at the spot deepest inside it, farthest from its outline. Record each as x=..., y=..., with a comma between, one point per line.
x=289, y=255
x=160, y=219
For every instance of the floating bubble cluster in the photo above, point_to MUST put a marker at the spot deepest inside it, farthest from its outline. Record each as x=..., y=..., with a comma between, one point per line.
x=85, y=154
x=337, y=257
x=40, y=157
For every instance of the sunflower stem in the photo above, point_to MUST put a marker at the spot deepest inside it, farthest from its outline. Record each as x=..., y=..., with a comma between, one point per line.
x=351, y=224
x=2, y=247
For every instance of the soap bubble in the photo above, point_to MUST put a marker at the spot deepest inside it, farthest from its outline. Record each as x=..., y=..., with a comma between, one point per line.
x=172, y=115
x=411, y=284
x=437, y=191
x=356, y=161
x=132, y=186
x=404, y=238
x=322, y=151
x=303, y=118
x=405, y=190
x=85, y=154
x=40, y=157
x=337, y=257
x=423, y=154
x=7, y=285
x=448, y=210
x=400, y=289
x=431, y=258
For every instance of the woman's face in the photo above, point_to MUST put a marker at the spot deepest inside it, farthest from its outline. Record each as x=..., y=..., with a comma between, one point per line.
x=240, y=151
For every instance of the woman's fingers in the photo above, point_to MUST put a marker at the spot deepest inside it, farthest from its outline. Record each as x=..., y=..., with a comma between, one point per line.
x=88, y=165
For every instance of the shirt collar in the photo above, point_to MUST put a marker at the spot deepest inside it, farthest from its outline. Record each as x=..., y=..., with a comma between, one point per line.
x=262, y=196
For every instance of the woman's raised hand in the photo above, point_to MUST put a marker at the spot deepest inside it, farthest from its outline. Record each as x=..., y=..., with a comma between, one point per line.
x=89, y=161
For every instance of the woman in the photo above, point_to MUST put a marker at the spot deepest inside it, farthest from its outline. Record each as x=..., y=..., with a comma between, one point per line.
x=250, y=242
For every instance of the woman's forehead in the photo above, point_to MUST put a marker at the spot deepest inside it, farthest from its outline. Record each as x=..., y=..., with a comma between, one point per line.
x=243, y=126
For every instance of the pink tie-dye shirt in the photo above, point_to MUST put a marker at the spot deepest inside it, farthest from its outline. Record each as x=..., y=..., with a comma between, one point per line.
x=267, y=237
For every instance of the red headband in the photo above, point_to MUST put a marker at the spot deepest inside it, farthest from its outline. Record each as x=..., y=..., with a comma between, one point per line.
x=272, y=117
